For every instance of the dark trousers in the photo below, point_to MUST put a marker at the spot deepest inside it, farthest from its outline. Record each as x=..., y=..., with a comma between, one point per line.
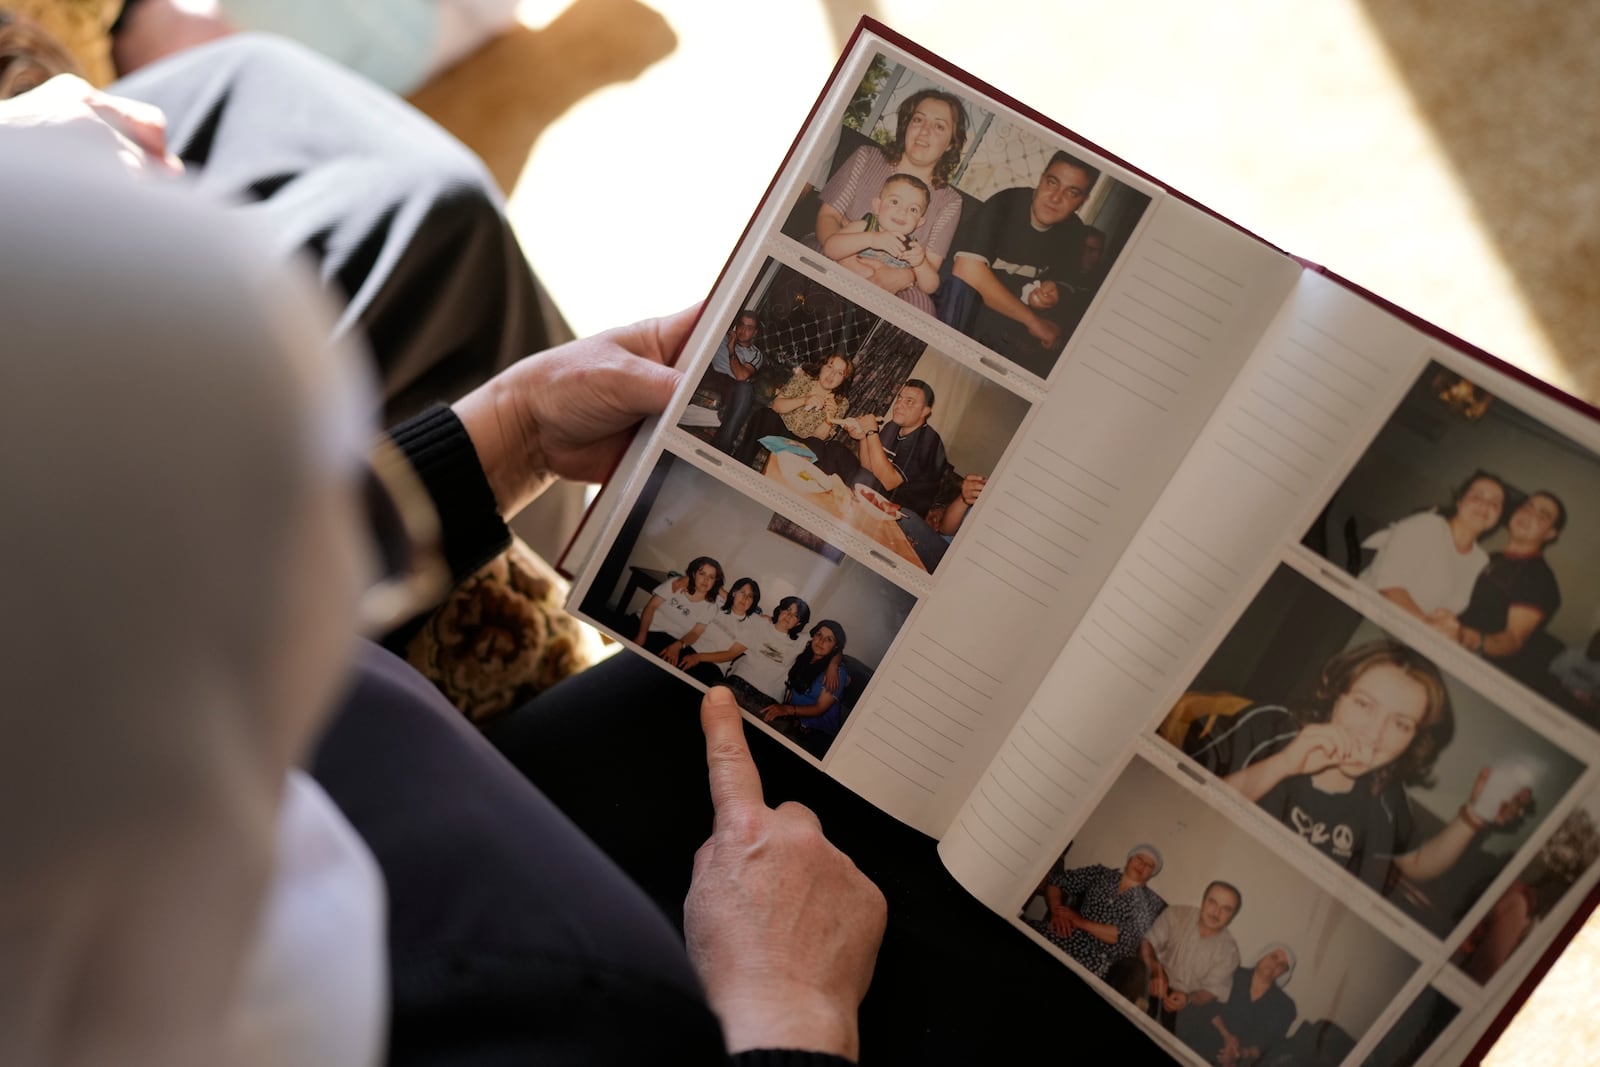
x=512, y=938
x=618, y=748
x=402, y=223
x=738, y=401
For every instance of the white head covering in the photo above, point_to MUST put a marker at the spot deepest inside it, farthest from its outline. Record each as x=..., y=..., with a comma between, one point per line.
x=179, y=562
x=1288, y=954
x=1151, y=851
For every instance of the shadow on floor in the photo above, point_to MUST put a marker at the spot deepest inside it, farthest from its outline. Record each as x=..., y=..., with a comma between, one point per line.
x=1510, y=92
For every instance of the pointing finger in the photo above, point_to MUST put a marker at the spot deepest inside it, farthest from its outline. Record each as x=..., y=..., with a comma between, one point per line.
x=735, y=783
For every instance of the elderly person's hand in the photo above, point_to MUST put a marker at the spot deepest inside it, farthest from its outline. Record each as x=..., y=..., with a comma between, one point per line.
x=69, y=109
x=781, y=926
x=568, y=411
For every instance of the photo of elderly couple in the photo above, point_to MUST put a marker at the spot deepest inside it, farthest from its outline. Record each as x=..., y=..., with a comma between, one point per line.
x=719, y=587
x=1390, y=768
x=966, y=215
x=1481, y=523
x=840, y=408
x=1210, y=935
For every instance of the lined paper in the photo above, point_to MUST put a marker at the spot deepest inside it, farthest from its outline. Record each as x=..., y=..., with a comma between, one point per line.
x=1159, y=323
x=1178, y=321
x=1314, y=392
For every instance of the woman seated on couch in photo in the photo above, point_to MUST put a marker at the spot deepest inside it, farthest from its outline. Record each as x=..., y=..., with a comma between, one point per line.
x=680, y=608
x=728, y=634
x=806, y=406
x=814, y=707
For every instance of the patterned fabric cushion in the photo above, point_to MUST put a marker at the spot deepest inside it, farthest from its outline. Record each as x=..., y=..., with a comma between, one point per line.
x=502, y=636
x=80, y=29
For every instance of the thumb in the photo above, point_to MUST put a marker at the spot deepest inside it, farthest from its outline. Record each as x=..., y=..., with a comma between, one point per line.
x=641, y=388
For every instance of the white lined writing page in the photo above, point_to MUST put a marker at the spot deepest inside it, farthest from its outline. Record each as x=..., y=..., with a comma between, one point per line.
x=1190, y=299
x=1324, y=378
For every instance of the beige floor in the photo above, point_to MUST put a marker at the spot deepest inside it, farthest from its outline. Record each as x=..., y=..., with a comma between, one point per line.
x=1441, y=152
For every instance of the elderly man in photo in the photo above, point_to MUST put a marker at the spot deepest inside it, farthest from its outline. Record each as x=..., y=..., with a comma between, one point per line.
x=1023, y=247
x=1190, y=954
x=734, y=367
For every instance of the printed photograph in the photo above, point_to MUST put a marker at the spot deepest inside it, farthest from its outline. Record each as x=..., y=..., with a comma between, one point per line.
x=1390, y=768
x=966, y=215
x=1518, y=912
x=852, y=414
x=721, y=589
x=1482, y=523
x=1210, y=935
x=1414, y=1033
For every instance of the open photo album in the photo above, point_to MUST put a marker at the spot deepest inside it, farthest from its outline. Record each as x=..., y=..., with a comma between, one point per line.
x=1235, y=633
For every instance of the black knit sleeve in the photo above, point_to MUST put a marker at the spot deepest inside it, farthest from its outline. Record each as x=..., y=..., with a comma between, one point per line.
x=437, y=446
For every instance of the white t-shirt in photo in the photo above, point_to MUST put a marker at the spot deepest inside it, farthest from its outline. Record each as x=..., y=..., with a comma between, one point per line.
x=677, y=614
x=769, y=653
x=1419, y=555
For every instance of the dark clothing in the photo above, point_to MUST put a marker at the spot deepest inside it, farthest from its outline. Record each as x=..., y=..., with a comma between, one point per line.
x=1258, y=1024
x=1360, y=830
x=1507, y=580
x=512, y=938
x=1526, y=581
x=918, y=457
x=642, y=797
x=1004, y=236
x=403, y=224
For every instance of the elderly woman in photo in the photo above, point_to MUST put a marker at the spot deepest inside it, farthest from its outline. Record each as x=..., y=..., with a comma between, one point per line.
x=806, y=406
x=680, y=608
x=1098, y=914
x=1335, y=768
x=1244, y=1029
x=1427, y=562
x=930, y=135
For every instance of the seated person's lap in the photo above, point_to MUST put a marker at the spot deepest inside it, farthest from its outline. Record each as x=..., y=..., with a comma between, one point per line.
x=619, y=750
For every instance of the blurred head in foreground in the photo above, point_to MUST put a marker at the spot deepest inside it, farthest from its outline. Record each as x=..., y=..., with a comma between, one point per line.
x=181, y=558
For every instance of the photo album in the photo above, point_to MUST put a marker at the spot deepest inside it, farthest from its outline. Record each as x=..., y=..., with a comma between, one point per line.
x=1235, y=633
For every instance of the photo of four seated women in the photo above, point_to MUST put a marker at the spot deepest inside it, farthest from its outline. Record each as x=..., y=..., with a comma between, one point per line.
x=729, y=592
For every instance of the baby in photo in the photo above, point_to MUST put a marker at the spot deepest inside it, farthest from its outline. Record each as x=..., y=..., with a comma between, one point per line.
x=897, y=211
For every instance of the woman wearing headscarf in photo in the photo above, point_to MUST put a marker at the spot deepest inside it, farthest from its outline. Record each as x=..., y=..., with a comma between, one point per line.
x=183, y=557
x=1244, y=1029
x=1099, y=914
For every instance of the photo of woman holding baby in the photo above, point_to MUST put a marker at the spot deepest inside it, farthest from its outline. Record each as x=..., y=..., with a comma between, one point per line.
x=868, y=207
